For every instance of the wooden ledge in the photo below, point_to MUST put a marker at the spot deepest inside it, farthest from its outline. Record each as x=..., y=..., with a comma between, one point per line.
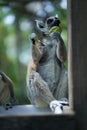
x=29, y=117
x=31, y=110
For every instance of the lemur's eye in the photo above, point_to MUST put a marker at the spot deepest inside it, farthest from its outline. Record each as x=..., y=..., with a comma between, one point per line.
x=41, y=26
x=56, y=18
x=49, y=21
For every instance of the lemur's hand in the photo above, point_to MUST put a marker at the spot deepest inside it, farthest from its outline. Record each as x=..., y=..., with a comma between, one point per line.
x=56, y=107
x=55, y=35
x=33, y=38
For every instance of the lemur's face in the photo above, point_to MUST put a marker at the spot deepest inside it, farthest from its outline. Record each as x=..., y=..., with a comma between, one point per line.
x=45, y=26
x=52, y=21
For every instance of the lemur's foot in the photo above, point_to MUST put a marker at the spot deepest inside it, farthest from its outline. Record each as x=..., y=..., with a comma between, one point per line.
x=11, y=104
x=7, y=106
x=56, y=107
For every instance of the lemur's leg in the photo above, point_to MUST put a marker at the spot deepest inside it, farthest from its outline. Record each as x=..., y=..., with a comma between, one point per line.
x=40, y=94
x=61, y=92
x=38, y=89
x=61, y=49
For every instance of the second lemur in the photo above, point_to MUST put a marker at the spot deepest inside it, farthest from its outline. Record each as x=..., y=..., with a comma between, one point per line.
x=6, y=91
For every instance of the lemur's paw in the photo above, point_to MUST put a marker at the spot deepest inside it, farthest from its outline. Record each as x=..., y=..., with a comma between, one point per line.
x=7, y=106
x=56, y=107
x=55, y=35
x=33, y=37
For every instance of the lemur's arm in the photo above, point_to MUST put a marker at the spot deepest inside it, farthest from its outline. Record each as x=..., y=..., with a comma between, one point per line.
x=36, y=53
x=61, y=49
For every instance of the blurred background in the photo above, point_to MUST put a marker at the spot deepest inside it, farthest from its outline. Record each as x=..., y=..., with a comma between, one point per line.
x=17, y=22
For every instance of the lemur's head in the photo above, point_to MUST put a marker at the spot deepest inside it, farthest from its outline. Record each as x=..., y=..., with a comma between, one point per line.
x=52, y=21
x=48, y=24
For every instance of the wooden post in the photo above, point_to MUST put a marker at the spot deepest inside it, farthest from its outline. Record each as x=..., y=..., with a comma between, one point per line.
x=77, y=59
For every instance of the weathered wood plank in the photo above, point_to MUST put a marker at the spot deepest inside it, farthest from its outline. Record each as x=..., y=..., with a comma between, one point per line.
x=28, y=117
x=31, y=110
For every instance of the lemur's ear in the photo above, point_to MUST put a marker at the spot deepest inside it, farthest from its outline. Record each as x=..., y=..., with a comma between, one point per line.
x=56, y=15
x=40, y=25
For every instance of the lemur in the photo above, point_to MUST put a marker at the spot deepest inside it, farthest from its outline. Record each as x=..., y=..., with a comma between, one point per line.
x=41, y=87
x=6, y=90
